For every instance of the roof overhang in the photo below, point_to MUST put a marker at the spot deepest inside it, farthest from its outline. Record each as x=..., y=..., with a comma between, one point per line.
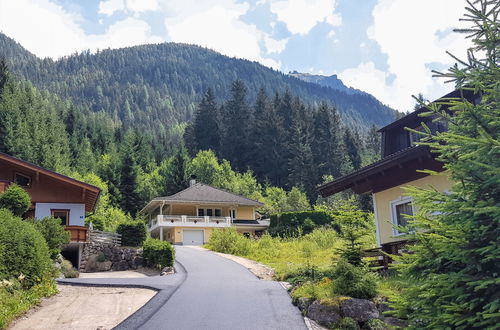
x=389, y=172
x=153, y=204
x=90, y=193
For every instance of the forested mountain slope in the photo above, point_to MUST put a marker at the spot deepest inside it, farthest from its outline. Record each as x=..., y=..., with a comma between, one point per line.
x=157, y=87
x=327, y=81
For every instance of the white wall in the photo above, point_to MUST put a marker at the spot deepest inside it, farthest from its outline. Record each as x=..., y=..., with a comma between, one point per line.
x=76, y=211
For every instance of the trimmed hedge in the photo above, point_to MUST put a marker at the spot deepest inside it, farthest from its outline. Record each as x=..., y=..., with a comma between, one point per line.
x=158, y=254
x=289, y=223
x=23, y=251
x=15, y=199
x=133, y=233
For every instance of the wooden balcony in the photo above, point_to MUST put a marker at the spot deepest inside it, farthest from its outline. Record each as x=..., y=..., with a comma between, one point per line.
x=78, y=234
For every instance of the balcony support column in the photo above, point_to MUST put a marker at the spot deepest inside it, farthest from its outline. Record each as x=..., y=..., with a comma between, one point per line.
x=161, y=233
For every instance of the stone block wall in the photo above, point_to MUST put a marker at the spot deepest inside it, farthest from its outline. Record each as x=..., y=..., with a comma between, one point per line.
x=101, y=257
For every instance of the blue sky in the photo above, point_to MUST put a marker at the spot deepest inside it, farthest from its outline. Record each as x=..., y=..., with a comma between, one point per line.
x=384, y=47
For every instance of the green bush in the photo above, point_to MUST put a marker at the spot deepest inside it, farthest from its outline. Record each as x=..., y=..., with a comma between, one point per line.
x=54, y=234
x=346, y=323
x=353, y=281
x=291, y=223
x=158, y=254
x=23, y=250
x=68, y=270
x=133, y=233
x=15, y=199
x=375, y=324
x=228, y=240
x=15, y=300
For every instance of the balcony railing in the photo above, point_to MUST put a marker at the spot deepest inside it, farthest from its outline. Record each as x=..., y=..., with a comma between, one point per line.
x=78, y=234
x=189, y=221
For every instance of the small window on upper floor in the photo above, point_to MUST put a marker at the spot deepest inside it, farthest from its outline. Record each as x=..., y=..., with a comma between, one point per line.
x=22, y=180
x=210, y=212
x=233, y=213
x=201, y=212
x=218, y=212
x=415, y=137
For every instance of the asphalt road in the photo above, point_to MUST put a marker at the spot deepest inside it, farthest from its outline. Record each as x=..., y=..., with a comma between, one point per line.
x=219, y=294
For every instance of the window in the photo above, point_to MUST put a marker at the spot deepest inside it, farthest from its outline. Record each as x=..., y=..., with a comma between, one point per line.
x=210, y=212
x=415, y=137
x=22, y=180
x=233, y=213
x=401, y=211
x=218, y=212
x=201, y=212
x=61, y=214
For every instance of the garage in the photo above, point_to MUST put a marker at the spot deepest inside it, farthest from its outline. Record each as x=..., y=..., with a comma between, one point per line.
x=192, y=237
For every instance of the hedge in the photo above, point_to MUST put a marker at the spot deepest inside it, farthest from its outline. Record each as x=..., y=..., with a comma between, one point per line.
x=15, y=199
x=23, y=251
x=133, y=233
x=289, y=223
x=158, y=254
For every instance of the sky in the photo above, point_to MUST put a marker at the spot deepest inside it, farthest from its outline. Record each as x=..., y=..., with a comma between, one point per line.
x=384, y=47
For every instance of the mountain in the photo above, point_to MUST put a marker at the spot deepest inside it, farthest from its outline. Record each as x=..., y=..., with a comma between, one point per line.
x=158, y=86
x=326, y=81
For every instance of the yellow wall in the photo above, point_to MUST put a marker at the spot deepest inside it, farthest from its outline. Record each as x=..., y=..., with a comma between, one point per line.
x=183, y=209
x=382, y=203
x=245, y=213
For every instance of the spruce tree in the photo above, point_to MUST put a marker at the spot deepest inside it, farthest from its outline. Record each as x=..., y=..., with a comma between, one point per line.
x=453, y=269
x=174, y=173
x=206, y=123
x=352, y=148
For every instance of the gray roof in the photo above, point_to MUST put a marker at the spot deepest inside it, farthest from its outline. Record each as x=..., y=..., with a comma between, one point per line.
x=203, y=193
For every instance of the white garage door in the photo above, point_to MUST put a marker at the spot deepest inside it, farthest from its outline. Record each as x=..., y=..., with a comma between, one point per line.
x=192, y=237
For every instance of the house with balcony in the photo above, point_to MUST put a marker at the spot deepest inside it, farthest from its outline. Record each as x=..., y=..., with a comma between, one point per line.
x=402, y=159
x=189, y=216
x=52, y=194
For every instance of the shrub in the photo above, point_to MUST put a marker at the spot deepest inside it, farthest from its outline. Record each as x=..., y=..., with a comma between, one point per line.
x=133, y=233
x=228, y=240
x=346, y=323
x=23, y=250
x=353, y=281
x=15, y=301
x=375, y=324
x=15, y=199
x=54, y=234
x=68, y=270
x=287, y=224
x=158, y=254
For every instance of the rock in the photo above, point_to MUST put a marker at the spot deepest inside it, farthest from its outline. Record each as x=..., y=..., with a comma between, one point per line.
x=394, y=322
x=167, y=271
x=120, y=265
x=303, y=303
x=323, y=314
x=107, y=252
x=93, y=265
x=359, y=309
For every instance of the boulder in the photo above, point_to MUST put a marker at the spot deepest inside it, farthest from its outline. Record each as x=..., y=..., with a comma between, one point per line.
x=394, y=322
x=303, y=303
x=120, y=265
x=359, y=309
x=107, y=252
x=323, y=314
x=92, y=265
x=167, y=271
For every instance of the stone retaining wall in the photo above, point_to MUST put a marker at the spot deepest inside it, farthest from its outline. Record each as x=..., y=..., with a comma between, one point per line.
x=101, y=257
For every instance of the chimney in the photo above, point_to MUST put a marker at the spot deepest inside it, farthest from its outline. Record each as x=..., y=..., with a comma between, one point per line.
x=192, y=180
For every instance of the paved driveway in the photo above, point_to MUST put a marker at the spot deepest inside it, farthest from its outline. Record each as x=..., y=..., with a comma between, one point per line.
x=210, y=292
x=221, y=294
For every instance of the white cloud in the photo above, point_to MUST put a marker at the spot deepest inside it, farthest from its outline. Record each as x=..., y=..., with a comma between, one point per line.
x=273, y=45
x=219, y=28
x=109, y=7
x=139, y=6
x=408, y=33
x=53, y=32
x=300, y=16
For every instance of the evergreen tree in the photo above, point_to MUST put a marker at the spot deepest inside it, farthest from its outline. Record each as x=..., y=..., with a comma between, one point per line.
x=175, y=173
x=453, y=267
x=352, y=148
x=236, y=127
x=206, y=123
x=130, y=200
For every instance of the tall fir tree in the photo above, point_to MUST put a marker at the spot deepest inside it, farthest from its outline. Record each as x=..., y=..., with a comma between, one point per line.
x=352, y=148
x=454, y=264
x=130, y=199
x=206, y=123
x=175, y=173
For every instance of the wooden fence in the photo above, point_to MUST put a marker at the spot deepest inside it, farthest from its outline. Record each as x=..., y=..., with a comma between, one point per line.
x=105, y=237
